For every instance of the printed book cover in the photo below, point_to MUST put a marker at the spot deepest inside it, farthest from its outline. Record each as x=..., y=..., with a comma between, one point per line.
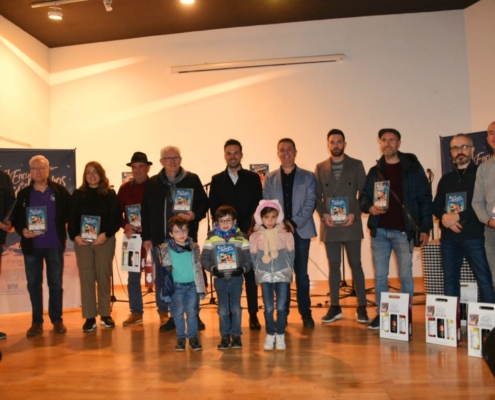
x=381, y=194
x=226, y=257
x=260, y=169
x=133, y=213
x=338, y=209
x=36, y=219
x=455, y=202
x=183, y=199
x=90, y=227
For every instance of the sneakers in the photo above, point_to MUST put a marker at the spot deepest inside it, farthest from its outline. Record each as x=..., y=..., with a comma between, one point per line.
x=163, y=317
x=308, y=321
x=3, y=336
x=35, y=330
x=168, y=326
x=133, y=319
x=375, y=324
x=334, y=313
x=254, y=323
x=59, y=327
x=362, y=315
x=224, y=343
x=181, y=344
x=280, y=342
x=107, y=322
x=89, y=325
x=201, y=325
x=194, y=344
x=269, y=342
x=236, y=342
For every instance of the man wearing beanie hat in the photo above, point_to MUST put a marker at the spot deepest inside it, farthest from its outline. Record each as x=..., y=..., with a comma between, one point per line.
x=295, y=189
x=130, y=193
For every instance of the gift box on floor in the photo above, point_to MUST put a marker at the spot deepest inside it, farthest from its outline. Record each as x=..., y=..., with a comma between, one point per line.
x=469, y=294
x=395, y=316
x=443, y=320
x=481, y=320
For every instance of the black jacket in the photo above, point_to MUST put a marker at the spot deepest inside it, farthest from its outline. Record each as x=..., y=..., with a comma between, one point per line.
x=6, y=200
x=62, y=203
x=244, y=196
x=416, y=192
x=452, y=182
x=153, y=223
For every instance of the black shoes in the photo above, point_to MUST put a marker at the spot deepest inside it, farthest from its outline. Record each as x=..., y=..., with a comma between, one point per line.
x=334, y=313
x=3, y=336
x=181, y=344
x=201, y=325
x=194, y=344
x=107, y=322
x=308, y=321
x=375, y=324
x=224, y=343
x=236, y=342
x=35, y=330
x=89, y=325
x=362, y=315
x=254, y=324
x=168, y=326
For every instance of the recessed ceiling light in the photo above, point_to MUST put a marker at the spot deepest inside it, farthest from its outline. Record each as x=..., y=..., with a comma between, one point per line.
x=55, y=13
x=187, y=1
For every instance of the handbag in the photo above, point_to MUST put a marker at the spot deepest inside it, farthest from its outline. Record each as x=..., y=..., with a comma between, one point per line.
x=416, y=227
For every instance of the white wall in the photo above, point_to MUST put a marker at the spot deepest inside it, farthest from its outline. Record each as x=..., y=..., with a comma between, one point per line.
x=24, y=89
x=480, y=36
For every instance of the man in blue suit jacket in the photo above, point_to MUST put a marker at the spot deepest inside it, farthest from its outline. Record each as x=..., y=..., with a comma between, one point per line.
x=295, y=189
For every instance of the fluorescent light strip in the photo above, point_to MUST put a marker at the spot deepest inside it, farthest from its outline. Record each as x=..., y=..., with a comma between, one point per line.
x=54, y=3
x=256, y=63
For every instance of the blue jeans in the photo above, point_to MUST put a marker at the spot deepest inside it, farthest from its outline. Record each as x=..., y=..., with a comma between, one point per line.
x=184, y=301
x=33, y=263
x=280, y=289
x=453, y=251
x=160, y=303
x=382, y=245
x=229, y=299
x=135, y=293
x=302, y=276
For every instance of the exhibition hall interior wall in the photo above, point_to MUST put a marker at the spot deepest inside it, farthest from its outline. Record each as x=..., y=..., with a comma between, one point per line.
x=413, y=72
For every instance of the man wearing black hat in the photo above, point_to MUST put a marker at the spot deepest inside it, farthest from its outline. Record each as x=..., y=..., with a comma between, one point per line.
x=131, y=192
x=390, y=227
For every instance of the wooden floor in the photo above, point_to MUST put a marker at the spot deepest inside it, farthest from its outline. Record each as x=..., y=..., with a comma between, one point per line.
x=341, y=360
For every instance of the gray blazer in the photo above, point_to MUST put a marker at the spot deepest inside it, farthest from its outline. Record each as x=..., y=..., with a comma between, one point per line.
x=303, y=198
x=350, y=182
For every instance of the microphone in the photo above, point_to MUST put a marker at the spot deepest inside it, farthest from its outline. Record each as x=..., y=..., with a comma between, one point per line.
x=431, y=175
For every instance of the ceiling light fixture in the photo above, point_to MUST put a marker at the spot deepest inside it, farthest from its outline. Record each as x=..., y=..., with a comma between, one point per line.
x=55, y=13
x=187, y=1
x=108, y=5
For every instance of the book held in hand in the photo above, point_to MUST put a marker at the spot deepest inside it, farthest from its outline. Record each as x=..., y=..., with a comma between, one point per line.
x=381, y=194
x=133, y=213
x=90, y=227
x=455, y=202
x=338, y=209
x=36, y=219
x=183, y=199
x=226, y=257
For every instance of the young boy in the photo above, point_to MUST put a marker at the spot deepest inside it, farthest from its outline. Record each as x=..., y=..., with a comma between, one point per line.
x=226, y=255
x=182, y=254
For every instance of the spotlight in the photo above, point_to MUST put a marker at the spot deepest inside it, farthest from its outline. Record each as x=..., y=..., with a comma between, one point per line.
x=108, y=5
x=55, y=13
x=187, y=1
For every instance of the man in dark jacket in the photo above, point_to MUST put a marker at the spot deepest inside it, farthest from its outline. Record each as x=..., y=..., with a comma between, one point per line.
x=6, y=202
x=240, y=189
x=157, y=209
x=462, y=232
x=391, y=228
x=48, y=246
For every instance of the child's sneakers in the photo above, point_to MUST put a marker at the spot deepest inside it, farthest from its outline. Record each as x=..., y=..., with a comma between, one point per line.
x=224, y=343
x=194, y=344
x=269, y=342
x=181, y=344
x=236, y=342
x=280, y=342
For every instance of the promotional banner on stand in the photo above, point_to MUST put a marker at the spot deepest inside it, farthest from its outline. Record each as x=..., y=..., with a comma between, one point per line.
x=482, y=150
x=14, y=296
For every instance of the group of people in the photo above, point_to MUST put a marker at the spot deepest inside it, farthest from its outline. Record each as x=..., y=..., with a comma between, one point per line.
x=269, y=226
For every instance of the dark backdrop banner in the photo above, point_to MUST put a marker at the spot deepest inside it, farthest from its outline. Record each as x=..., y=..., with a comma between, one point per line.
x=482, y=150
x=13, y=291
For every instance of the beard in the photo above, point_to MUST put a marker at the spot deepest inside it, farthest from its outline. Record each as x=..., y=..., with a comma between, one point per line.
x=337, y=152
x=462, y=160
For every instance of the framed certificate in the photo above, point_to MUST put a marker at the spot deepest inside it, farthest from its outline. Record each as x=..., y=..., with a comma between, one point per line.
x=90, y=227
x=36, y=219
x=183, y=200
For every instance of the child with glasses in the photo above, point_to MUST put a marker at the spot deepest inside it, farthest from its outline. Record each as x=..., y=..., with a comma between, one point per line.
x=226, y=256
x=182, y=255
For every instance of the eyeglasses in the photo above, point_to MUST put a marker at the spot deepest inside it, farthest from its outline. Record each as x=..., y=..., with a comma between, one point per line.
x=38, y=169
x=225, y=221
x=460, y=148
x=179, y=231
x=171, y=159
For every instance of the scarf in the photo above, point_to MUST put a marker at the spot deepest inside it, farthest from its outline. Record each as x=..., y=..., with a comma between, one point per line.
x=271, y=239
x=225, y=235
x=179, y=248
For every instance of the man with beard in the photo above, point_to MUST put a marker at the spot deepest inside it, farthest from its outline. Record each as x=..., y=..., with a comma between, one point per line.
x=341, y=176
x=391, y=229
x=241, y=189
x=462, y=232
x=157, y=209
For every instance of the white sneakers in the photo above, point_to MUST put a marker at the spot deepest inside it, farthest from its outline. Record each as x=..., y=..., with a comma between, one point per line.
x=275, y=341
